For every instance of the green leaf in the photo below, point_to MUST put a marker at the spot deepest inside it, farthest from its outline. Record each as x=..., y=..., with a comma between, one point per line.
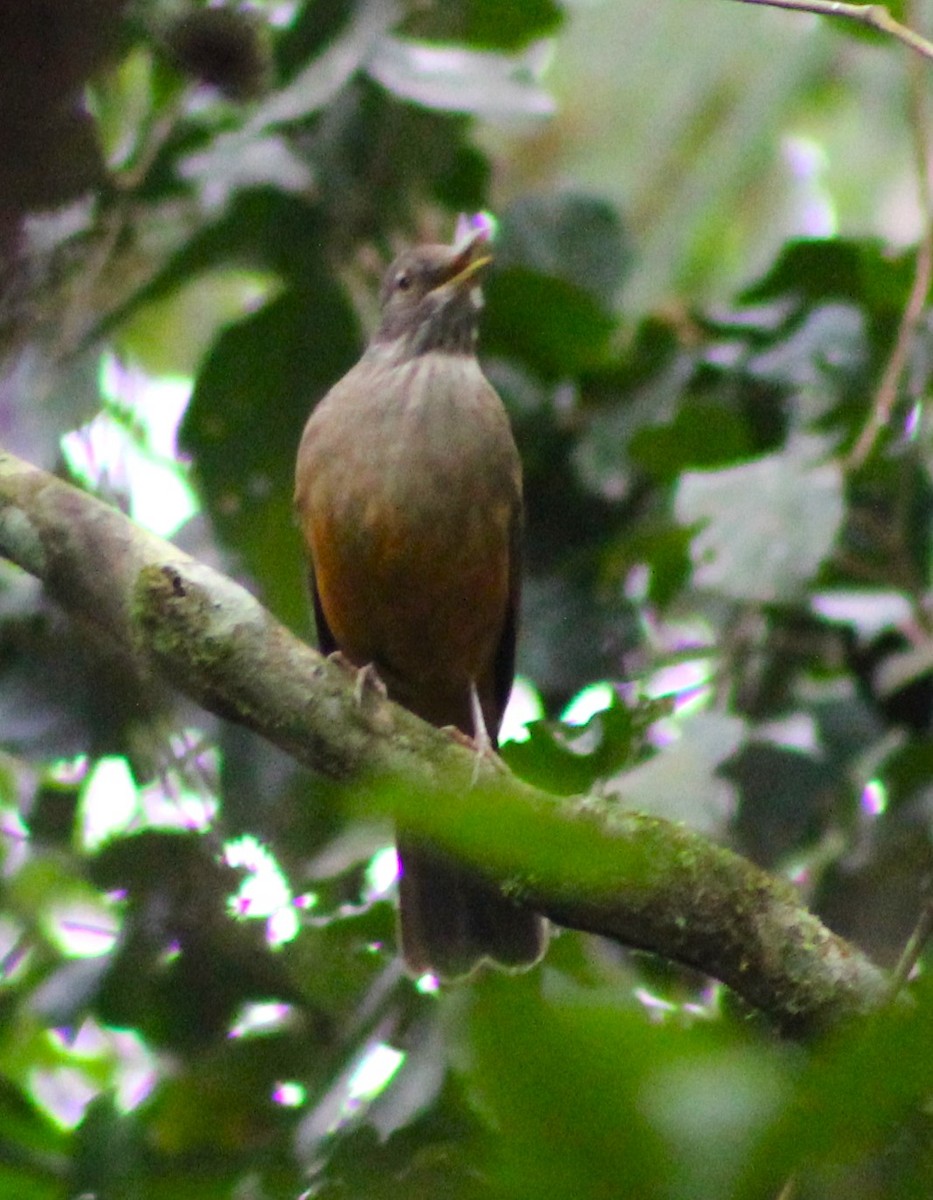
x=554, y=327
x=681, y=782
x=567, y=759
x=855, y=1098
x=244, y=423
x=671, y=1111
x=765, y=527
x=260, y=227
x=837, y=269
x=703, y=434
x=108, y=1151
x=484, y=83
x=376, y=160
x=487, y=24
x=569, y=236
x=782, y=798
x=32, y=1150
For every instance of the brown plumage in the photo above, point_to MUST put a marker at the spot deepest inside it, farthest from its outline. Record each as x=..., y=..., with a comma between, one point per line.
x=408, y=491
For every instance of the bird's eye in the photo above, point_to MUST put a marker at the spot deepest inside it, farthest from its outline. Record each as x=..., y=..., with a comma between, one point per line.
x=403, y=281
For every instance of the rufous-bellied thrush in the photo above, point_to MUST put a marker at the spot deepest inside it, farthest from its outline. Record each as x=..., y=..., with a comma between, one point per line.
x=409, y=496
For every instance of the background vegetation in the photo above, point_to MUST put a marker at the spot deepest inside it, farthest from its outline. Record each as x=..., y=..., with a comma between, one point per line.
x=708, y=323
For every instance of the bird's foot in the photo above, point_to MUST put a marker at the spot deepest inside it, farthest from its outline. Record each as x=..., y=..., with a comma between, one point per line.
x=369, y=684
x=339, y=659
x=366, y=679
x=461, y=738
x=480, y=743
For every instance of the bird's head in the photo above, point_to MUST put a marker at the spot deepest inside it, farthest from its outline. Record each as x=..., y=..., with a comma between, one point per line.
x=431, y=297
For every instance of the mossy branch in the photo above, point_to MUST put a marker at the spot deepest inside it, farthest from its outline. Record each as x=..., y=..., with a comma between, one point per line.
x=586, y=863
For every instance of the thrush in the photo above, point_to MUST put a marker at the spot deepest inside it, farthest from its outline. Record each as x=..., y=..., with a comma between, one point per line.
x=409, y=497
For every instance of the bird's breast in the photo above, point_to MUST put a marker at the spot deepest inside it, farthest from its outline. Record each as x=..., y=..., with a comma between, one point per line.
x=409, y=495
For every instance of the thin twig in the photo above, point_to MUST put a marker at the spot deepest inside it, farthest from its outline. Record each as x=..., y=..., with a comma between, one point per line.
x=923, y=930
x=875, y=16
x=920, y=126
x=887, y=393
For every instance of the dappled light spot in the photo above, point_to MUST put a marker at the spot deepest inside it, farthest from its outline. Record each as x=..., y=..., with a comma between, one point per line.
x=14, y=950
x=874, y=798
x=128, y=450
x=14, y=840
x=588, y=703
x=91, y=1062
x=259, y=1019
x=64, y=1093
x=81, y=928
x=373, y=1074
x=264, y=891
x=524, y=706
x=381, y=873
x=352, y=1095
x=290, y=1094
x=428, y=985
x=109, y=801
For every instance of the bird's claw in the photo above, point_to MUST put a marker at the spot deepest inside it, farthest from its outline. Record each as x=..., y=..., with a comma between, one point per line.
x=481, y=744
x=369, y=683
x=366, y=679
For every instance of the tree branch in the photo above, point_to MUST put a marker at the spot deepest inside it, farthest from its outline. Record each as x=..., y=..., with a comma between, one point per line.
x=874, y=16
x=585, y=862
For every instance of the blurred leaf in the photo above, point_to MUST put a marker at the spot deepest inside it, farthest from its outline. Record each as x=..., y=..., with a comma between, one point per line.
x=219, y=1110
x=838, y=1124
x=557, y=329
x=702, y=435
x=897, y=8
x=837, y=269
x=485, y=23
x=829, y=338
x=33, y=1152
x=681, y=782
x=331, y=65
x=569, y=639
x=485, y=83
x=422, y=155
x=236, y=161
x=907, y=770
x=657, y=1107
x=437, y=1156
x=569, y=760
x=183, y=963
x=766, y=526
x=37, y=404
x=568, y=236
x=69, y=992
x=244, y=423
x=108, y=1153
x=519, y=1057
x=171, y=336
x=261, y=227
x=639, y=393
x=785, y=797
x=66, y=690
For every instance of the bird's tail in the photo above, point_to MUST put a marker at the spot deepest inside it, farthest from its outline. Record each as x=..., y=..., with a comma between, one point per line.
x=451, y=920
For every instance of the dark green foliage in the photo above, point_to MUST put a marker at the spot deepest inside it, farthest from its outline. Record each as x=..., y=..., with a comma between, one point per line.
x=696, y=536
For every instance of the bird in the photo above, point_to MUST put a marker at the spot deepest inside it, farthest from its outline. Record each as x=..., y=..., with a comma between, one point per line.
x=408, y=495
